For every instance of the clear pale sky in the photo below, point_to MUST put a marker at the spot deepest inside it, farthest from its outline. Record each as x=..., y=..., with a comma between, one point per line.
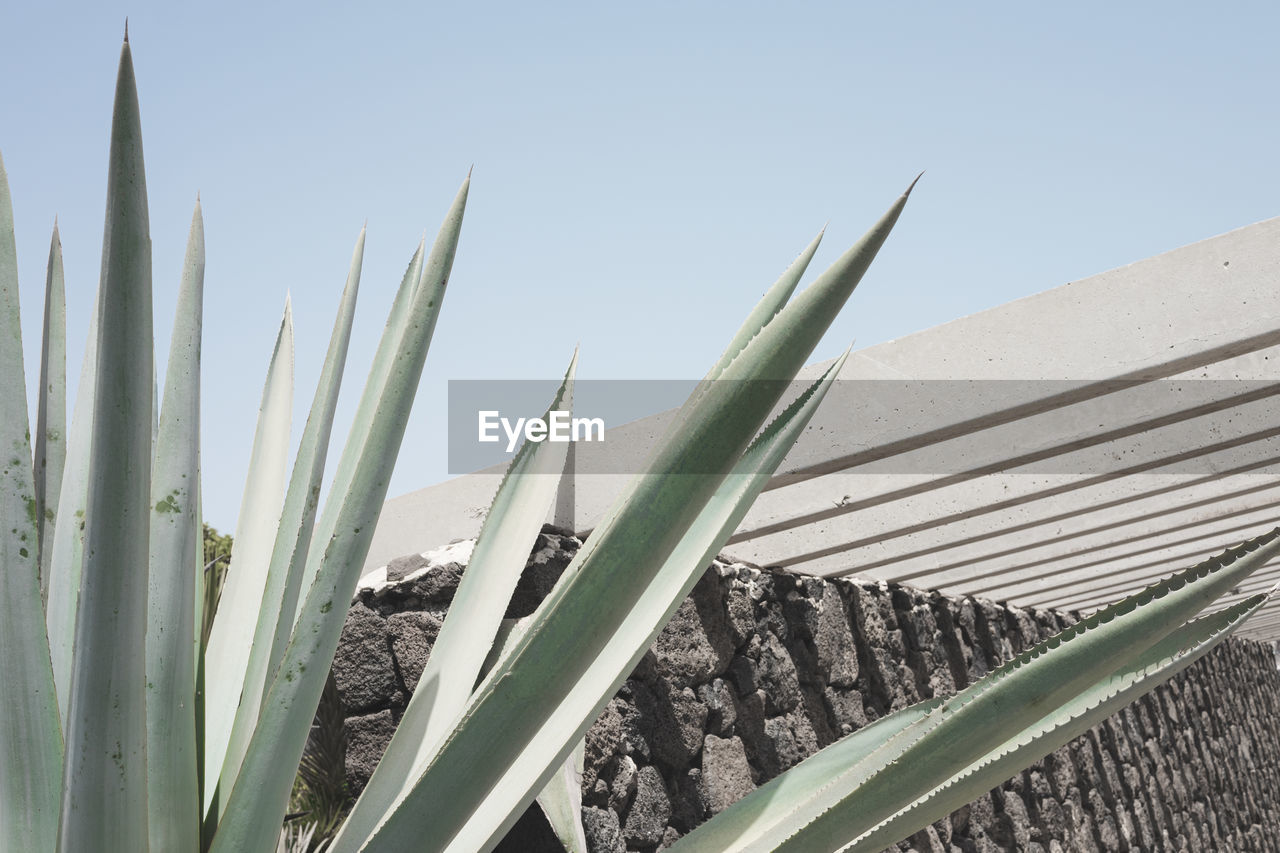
x=642, y=171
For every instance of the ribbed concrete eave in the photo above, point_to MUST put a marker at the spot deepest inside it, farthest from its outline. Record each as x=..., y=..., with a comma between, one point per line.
x=1058, y=451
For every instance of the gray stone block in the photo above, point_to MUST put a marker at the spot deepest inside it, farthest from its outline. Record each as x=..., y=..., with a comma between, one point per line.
x=726, y=774
x=362, y=668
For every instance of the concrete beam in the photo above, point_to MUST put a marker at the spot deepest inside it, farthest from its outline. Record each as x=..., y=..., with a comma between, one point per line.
x=1083, y=479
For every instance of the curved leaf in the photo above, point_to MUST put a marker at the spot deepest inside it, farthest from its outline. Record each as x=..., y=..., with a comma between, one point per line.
x=777, y=799
x=1160, y=663
x=552, y=718
x=470, y=793
x=1011, y=698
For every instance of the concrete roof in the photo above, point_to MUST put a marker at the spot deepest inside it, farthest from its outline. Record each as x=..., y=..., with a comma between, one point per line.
x=1142, y=434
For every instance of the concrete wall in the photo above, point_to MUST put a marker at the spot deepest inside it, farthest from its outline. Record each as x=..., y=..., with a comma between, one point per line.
x=758, y=669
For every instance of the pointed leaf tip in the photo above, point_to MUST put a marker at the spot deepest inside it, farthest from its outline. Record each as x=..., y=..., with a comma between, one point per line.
x=913, y=183
x=836, y=366
x=126, y=30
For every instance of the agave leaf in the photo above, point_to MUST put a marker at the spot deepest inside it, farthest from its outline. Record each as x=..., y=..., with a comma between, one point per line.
x=766, y=309
x=296, y=523
x=173, y=794
x=51, y=419
x=561, y=798
x=324, y=528
x=299, y=579
x=104, y=803
x=1160, y=663
x=510, y=529
x=261, y=793
x=598, y=602
x=30, y=737
x=470, y=793
x=768, y=306
x=1013, y=697
x=561, y=801
x=227, y=654
x=67, y=550
x=777, y=803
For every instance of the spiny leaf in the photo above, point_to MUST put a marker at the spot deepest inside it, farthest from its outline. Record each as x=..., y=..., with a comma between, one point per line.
x=227, y=655
x=67, y=550
x=1164, y=660
x=510, y=530
x=104, y=803
x=768, y=307
x=1011, y=698
x=563, y=712
x=293, y=536
x=51, y=419
x=392, y=333
x=561, y=801
x=261, y=792
x=30, y=737
x=777, y=799
x=462, y=803
x=173, y=791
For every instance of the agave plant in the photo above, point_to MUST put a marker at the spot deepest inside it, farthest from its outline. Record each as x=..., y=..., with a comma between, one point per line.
x=144, y=710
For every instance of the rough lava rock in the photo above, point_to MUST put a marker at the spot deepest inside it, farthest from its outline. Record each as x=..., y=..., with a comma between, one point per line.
x=759, y=669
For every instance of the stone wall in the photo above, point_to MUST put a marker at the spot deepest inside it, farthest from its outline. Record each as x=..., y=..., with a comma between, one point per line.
x=760, y=668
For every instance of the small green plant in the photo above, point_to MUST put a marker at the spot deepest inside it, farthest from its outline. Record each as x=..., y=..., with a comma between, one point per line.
x=145, y=710
x=217, y=546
